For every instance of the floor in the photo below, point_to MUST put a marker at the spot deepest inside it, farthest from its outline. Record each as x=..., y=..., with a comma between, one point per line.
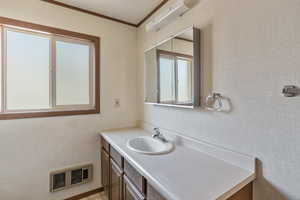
x=95, y=197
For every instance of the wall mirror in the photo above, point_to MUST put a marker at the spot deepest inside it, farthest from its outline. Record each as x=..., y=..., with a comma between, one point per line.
x=172, y=71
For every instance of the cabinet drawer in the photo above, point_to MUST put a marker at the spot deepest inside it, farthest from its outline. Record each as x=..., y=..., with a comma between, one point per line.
x=135, y=177
x=105, y=145
x=152, y=194
x=114, y=154
x=130, y=191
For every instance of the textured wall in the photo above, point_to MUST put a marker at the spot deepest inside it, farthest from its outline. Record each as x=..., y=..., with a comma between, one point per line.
x=251, y=49
x=31, y=148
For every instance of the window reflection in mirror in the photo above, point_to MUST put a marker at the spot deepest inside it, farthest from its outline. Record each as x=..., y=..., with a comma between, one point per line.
x=173, y=72
x=184, y=81
x=175, y=78
x=166, y=79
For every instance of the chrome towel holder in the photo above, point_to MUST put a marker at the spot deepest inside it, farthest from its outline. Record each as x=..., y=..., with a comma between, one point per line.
x=213, y=102
x=291, y=91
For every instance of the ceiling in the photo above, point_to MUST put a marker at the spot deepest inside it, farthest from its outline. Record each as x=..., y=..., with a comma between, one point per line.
x=132, y=12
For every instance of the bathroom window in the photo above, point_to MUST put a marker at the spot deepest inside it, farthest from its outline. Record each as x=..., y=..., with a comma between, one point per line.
x=47, y=73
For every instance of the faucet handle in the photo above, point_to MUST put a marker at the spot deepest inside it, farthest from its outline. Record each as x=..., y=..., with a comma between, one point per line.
x=157, y=132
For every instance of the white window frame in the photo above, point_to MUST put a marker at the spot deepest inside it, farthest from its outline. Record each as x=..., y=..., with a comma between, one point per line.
x=52, y=72
x=91, y=74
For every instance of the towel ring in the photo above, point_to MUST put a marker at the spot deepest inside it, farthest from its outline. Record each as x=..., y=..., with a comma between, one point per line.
x=213, y=102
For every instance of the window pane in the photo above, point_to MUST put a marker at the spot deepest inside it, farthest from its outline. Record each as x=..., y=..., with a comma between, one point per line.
x=184, y=81
x=27, y=71
x=167, y=79
x=72, y=73
x=1, y=50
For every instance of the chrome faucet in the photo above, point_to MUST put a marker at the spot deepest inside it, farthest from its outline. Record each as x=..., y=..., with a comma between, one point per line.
x=158, y=135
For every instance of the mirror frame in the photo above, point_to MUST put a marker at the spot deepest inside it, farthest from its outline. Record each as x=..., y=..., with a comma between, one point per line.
x=196, y=70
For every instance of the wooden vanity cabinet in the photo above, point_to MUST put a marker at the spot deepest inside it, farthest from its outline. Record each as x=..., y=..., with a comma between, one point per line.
x=116, y=181
x=121, y=181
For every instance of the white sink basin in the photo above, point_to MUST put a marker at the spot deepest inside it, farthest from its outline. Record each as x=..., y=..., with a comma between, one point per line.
x=149, y=145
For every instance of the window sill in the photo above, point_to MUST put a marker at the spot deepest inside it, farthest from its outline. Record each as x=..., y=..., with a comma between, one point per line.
x=8, y=116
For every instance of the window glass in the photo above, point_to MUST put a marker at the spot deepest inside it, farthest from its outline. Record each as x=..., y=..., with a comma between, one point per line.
x=1, y=59
x=167, y=81
x=27, y=71
x=72, y=73
x=184, y=81
x=47, y=72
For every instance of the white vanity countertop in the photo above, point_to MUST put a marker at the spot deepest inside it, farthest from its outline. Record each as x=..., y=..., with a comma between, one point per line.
x=185, y=173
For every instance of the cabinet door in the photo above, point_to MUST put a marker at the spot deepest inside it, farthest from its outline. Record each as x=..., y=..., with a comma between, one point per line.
x=130, y=191
x=105, y=174
x=244, y=194
x=116, y=181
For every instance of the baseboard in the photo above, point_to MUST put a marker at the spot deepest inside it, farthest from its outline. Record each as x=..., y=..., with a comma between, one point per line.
x=86, y=194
